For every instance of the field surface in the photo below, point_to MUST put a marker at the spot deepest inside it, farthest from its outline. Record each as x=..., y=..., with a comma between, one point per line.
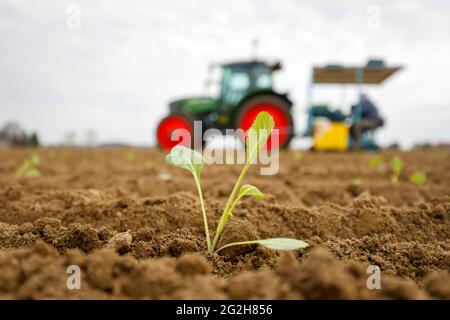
x=132, y=224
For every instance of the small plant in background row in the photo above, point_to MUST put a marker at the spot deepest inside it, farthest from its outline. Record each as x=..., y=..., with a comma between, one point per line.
x=149, y=164
x=297, y=155
x=130, y=155
x=357, y=181
x=29, y=167
x=419, y=178
x=193, y=161
x=397, y=166
x=376, y=162
x=52, y=154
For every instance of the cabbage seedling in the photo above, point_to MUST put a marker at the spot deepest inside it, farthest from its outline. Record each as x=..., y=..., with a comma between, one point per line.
x=193, y=161
x=397, y=166
x=29, y=168
x=149, y=164
x=376, y=162
x=357, y=181
x=130, y=155
x=418, y=178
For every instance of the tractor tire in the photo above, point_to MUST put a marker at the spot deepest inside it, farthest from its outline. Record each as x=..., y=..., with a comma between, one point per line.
x=169, y=124
x=277, y=107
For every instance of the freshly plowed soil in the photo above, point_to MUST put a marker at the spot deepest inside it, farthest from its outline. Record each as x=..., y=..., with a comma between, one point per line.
x=133, y=226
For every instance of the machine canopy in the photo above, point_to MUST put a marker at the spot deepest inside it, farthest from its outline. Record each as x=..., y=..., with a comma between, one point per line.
x=375, y=72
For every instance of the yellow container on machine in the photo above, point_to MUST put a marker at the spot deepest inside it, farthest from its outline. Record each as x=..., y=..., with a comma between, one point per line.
x=330, y=136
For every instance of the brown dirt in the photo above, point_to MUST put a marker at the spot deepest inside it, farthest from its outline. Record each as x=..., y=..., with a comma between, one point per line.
x=136, y=235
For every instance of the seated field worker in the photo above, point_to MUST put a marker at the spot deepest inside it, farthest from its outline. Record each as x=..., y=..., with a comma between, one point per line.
x=370, y=119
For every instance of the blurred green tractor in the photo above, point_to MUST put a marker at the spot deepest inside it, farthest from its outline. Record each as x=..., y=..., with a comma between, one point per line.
x=245, y=90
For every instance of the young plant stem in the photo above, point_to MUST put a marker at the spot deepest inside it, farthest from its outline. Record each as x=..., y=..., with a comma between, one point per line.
x=227, y=211
x=205, y=218
x=235, y=202
x=237, y=244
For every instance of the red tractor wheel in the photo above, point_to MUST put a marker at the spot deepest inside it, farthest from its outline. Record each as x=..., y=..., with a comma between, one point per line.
x=277, y=107
x=168, y=125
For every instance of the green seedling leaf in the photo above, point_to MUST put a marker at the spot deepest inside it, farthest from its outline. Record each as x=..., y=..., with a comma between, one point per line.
x=397, y=166
x=246, y=190
x=130, y=155
x=249, y=190
x=418, y=178
x=24, y=167
x=35, y=159
x=258, y=134
x=186, y=158
x=32, y=172
x=28, y=168
x=273, y=243
x=149, y=164
x=283, y=244
x=357, y=181
x=376, y=162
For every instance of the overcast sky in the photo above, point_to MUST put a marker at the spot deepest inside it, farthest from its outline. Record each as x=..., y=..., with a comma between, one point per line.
x=117, y=71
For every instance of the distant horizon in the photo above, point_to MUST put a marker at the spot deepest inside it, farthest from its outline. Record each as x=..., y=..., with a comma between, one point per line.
x=295, y=145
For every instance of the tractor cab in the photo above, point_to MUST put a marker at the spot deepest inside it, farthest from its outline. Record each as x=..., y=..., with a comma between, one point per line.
x=241, y=79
